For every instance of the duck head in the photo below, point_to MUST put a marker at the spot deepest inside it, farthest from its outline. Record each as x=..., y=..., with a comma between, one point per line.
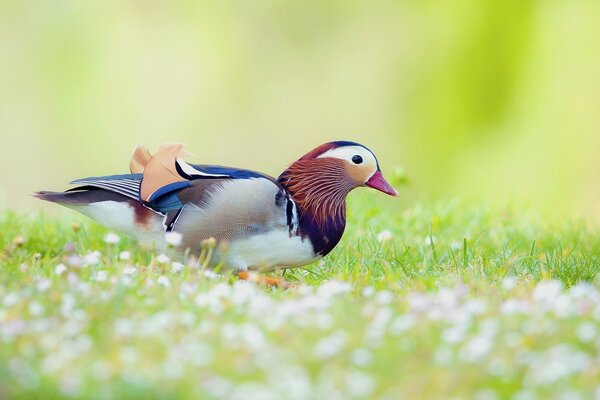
x=321, y=179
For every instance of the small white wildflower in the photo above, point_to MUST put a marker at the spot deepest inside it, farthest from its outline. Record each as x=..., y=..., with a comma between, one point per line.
x=476, y=348
x=429, y=240
x=74, y=260
x=384, y=297
x=401, y=324
x=586, y=332
x=92, y=258
x=163, y=280
x=556, y=363
x=454, y=334
x=101, y=276
x=330, y=345
x=514, y=306
x=475, y=307
x=112, y=238
x=44, y=284
x=509, y=283
x=385, y=236
x=456, y=245
x=173, y=238
x=176, y=267
x=10, y=299
x=35, y=308
x=368, y=291
x=124, y=327
x=332, y=288
x=162, y=259
x=547, y=291
x=361, y=357
x=210, y=274
x=124, y=256
x=60, y=268
x=129, y=270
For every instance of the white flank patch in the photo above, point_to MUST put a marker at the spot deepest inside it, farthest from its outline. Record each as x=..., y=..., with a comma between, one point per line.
x=120, y=216
x=269, y=250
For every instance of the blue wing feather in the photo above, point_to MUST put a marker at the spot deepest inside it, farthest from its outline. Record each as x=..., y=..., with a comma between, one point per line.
x=232, y=173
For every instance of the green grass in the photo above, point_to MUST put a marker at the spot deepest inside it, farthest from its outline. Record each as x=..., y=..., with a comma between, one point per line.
x=461, y=301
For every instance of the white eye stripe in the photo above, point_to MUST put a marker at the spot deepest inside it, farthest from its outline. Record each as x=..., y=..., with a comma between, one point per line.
x=347, y=152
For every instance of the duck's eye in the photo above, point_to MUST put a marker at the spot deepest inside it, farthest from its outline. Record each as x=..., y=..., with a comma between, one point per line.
x=357, y=159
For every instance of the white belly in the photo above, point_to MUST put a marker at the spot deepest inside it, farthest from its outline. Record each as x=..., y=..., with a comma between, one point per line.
x=269, y=250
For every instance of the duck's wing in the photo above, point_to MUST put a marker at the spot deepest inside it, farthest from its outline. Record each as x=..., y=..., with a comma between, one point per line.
x=203, y=201
x=127, y=185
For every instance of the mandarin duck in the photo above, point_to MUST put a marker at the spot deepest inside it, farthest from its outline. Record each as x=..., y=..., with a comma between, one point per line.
x=258, y=222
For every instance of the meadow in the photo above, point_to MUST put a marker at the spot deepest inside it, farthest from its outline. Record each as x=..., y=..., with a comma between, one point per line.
x=479, y=282
x=425, y=299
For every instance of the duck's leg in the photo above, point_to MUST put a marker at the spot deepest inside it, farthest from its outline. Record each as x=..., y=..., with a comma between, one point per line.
x=264, y=279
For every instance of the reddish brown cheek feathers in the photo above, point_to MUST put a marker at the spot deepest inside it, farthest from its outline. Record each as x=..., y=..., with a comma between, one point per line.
x=377, y=181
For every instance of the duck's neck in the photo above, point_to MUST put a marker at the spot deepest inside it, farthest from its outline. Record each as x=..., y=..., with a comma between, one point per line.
x=319, y=189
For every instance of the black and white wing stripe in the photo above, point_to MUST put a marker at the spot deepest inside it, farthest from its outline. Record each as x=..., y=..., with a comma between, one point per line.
x=292, y=217
x=126, y=185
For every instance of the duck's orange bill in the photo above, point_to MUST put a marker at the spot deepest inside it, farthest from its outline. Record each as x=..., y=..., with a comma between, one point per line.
x=377, y=181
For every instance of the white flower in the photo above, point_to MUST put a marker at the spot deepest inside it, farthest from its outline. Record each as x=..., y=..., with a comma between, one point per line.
x=385, y=236
x=476, y=348
x=176, y=267
x=162, y=259
x=401, y=324
x=60, y=268
x=163, y=280
x=10, y=299
x=112, y=238
x=210, y=274
x=101, y=276
x=454, y=334
x=509, y=283
x=44, y=284
x=384, y=297
x=92, y=258
x=173, y=238
x=35, y=308
x=586, y=332
x=330, y=345
x=361, y=357
x=124, y=327
x=547, y=291
x=129, y=270
x=332, y=288
x=513, y=306
x=124, y=256
x=368, y=291
x=557, y=363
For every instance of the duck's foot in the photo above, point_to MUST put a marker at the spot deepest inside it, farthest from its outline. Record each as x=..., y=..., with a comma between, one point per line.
x=271, y=281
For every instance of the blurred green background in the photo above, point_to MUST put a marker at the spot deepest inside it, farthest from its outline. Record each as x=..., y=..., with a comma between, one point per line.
x=496, y=99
